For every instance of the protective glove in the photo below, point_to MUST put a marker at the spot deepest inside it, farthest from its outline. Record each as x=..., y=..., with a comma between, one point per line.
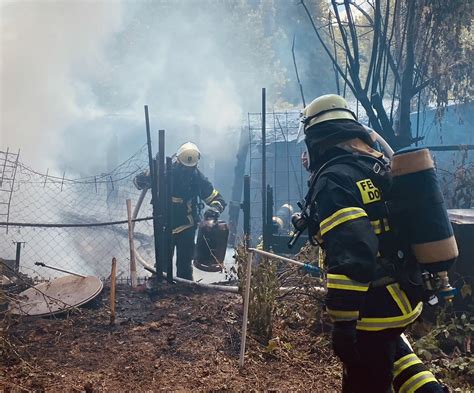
x=344, y=342
x=142, y=180
x=211, y=214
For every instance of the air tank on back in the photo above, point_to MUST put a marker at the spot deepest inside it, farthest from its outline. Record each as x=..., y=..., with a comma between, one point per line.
x=417, y=204
x=211, y=245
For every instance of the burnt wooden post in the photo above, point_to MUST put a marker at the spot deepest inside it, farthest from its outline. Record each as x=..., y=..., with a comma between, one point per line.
x=168, y=236
x=18, y=256
x=154, y=197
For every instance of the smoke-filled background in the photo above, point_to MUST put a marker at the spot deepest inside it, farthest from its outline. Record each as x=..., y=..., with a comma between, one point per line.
x=76, y=74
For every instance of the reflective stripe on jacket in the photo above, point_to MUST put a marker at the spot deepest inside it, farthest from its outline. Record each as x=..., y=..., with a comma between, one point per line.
x=188, y=186
x=356, y=234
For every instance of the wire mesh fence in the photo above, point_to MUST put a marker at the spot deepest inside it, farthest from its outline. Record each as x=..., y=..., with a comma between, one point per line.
x=80, y=224
x=284, y=172
x=72, y=223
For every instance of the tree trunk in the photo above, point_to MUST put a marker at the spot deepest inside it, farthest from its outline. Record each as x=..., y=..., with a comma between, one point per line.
x=406, y=88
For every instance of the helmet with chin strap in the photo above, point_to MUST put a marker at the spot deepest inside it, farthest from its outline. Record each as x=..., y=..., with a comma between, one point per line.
x=324, y=108
x=326, y=122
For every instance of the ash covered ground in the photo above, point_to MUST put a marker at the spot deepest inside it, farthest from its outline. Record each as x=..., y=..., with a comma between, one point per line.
x=183, y=339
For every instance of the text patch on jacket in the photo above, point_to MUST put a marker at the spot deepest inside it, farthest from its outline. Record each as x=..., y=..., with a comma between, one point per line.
x=368, y=191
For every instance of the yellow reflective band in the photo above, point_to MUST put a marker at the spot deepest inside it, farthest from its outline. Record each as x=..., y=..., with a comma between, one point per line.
x=376, y=226
x=404, y=363
x=212, y=196
x=385, y=225
x=338, y=315
x=403, y=359
x=181, y=228
x=400, y=298
x=321, y=258
x=341, y=216
x=340, y=281
x=375, y=324
x=418, y=380
x=176, y=200
x=213, y=203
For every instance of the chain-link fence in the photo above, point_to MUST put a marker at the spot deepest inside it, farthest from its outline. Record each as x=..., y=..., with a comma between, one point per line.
x=284, y=171
x=69, y=223
x=73, y=223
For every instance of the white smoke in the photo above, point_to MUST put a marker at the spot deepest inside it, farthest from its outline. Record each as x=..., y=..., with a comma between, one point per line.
x=44, y=46
x=76, y=74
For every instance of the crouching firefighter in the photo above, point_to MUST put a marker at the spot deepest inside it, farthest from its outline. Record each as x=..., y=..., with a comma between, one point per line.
x=190, y=186
x=374, y=285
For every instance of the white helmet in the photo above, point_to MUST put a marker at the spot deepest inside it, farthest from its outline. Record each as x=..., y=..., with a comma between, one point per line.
x=324, y=108
x=188, y=154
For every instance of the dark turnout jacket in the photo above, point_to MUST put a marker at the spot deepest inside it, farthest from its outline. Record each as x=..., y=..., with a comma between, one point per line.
x=189, y=185
x=361, y=249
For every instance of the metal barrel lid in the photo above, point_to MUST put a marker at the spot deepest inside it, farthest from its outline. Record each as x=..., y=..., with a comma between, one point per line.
x=56, y=296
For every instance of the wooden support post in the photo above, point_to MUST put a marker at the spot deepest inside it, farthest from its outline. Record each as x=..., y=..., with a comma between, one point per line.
x=112, y=291
x=246, y=309
x=133, y=265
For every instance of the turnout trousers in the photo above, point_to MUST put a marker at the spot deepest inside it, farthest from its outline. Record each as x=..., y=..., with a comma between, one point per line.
x=184, y=244
x=387, y=365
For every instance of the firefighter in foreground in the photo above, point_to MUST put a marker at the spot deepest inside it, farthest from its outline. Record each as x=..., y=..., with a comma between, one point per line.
x=189, y=186
x=368, y=301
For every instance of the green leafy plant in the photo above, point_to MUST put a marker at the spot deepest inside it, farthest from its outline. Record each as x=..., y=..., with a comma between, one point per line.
x=264, y=288
x=447, y=347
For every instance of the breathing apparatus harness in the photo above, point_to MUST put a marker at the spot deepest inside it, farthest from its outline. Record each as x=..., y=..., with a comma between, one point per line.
x=407, y=271
x=307, y=218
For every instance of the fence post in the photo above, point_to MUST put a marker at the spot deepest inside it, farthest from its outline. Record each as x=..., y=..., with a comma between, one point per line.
x=154, y=192
x=169, y=221
x=112, y=290
x=264, y=172
x=18, y=256
x=133, y=265
x=246, y=309
x=246, y=208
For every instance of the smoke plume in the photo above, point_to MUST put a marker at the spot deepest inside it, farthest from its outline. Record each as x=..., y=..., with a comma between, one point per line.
x=76, y=74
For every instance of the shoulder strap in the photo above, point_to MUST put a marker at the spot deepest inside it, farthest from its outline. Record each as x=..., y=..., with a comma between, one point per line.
x=306, y=205
x=378, y=167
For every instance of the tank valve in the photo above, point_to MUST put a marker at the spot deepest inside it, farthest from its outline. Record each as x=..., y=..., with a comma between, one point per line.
x=430, y=284
x=446, y=291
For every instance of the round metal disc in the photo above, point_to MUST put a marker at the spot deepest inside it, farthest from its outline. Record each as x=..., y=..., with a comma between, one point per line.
x=56, y=296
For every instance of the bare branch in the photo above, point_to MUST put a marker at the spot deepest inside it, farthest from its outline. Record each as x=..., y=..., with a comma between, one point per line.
x=296, y=71
x=344, y=35
x=325, y=47
x=381, y=52
x=363, y=12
